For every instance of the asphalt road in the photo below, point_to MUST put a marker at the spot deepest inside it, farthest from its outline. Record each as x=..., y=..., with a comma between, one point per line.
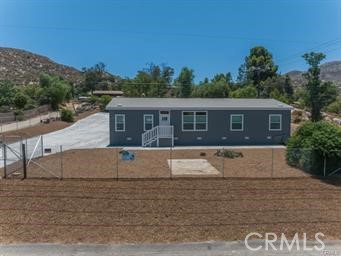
x=333, y=248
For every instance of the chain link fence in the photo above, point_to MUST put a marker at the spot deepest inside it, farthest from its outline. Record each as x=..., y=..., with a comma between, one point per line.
x=45, y=161
x=7, y=125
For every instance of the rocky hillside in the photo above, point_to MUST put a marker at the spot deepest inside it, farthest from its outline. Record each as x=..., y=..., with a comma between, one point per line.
x=23, y=67
x=330, y=71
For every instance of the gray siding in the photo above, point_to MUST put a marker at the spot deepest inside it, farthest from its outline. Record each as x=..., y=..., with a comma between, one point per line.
x=256, y=128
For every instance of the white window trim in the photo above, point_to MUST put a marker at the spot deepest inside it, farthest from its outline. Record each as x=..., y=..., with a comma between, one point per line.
x=237, y=130
x=124, y=122
x=280, y=122
x=144, y=121
x=194, y=121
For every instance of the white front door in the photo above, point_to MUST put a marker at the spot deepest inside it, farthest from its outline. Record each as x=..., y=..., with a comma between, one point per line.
x=164, y=118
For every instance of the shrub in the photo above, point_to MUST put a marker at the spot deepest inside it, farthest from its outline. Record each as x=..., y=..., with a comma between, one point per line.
x=93, y=99
x=30, y=105
x=311, y=143
x=66, y=115
x=20, y=100
x=228, y=153
x=5, y=109
x=335, y=107
x=104, y=101
x=19, y=115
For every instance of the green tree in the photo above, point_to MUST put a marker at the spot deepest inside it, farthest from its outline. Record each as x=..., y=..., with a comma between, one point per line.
x=7, y=92
x=184, y=82
x=242, y=76
x=311, y=143
x=335, y=106
x=319, y=94
x=20, y=100
x=278, y=87
x=218, y=87
x=32, y=91
x=94, y=77
x=152, y=81
x=104, y=101
x=139, y=86
x=244, y=92
x=259, y=66
x=288, y=88
x=54, y=90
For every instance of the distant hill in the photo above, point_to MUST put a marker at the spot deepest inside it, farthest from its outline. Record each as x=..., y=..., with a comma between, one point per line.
x=23, y=67
x=330, y=71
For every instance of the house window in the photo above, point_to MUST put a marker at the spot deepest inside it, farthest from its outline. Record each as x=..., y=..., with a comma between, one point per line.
x=120, y=123
x=194, y=121
x=275, y=122
x=237, y=122
x=148, y=122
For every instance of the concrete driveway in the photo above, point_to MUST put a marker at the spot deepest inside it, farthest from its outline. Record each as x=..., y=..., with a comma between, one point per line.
x=90, y=132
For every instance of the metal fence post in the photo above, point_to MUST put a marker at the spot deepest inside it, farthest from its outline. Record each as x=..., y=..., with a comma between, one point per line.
x=117, y=156
x=42, y=145
x=61, y=162
x=5, y=159
x=24, y=160
x=223, y=163
x=324, y=165
x=170, y=163
x=272, y=162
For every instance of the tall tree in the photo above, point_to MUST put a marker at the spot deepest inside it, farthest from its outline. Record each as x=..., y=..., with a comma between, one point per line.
x=278, y=87
x=259, y=66
x=218, y=87
x=54, y=90
x=319, y=94
x=152, y=81
x=94, y=76
x=7, y=92
x=288, y=88
x=242, y=76
x=167, y=73
x=185, y=82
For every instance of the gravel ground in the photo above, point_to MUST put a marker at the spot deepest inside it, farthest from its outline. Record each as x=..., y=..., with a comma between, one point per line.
x=73, y=211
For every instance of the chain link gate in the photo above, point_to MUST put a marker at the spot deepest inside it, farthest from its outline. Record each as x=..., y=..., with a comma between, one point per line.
x=12, y=157
x=35, y=153
x=23, y=158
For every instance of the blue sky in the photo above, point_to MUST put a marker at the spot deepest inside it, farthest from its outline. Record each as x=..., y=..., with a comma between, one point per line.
x=207, y=36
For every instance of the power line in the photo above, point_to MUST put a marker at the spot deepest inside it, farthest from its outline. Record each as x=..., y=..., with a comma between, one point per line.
x=300, y=53
x=222, y=37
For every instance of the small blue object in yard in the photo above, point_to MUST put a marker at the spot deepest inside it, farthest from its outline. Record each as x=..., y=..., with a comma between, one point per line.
x=126, y=155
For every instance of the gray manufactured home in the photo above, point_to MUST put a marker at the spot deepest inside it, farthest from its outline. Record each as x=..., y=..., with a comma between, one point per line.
x=197, y=122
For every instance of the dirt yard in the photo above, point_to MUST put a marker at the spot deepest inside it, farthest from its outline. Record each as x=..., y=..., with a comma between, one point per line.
x=73, y=211
x=107, y=163
x=41, y=129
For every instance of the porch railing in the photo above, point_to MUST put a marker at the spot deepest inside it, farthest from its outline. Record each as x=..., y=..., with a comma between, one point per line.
x=156, y=133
